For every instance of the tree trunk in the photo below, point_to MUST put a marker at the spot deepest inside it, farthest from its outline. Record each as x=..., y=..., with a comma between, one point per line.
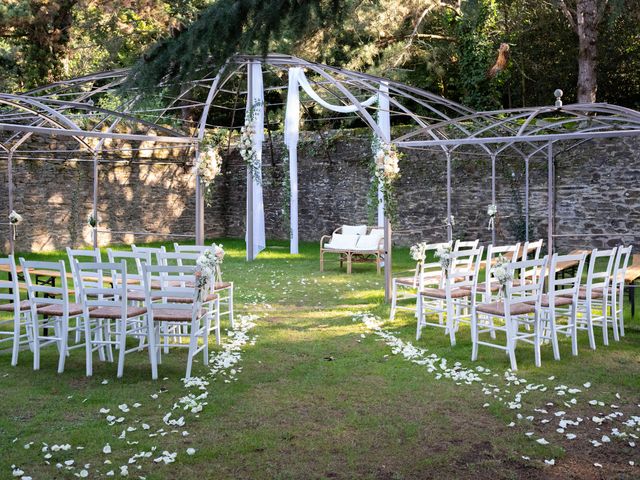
x=587, y=29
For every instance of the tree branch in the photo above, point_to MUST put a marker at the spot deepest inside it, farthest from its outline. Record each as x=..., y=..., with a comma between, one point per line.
x=568, y=14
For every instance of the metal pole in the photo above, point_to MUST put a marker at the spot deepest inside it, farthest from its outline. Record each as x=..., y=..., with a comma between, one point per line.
x=493, y=195
x=449, y=226
x=199, y=212
x=250, y=256
x=526, y=199
x=95, y=200
x=10, y=186
x=387, y=260
x=550, y=199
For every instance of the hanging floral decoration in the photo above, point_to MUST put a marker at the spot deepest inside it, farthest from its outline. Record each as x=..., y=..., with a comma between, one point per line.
x=92, y=221
x=419, y=252
x=385, y=172
x=247, y=145
x=208, y=164
x=15, y=219
x=492, y=211
x=450, y=221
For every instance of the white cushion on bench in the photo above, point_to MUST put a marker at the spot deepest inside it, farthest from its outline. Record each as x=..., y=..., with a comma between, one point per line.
x=371, y=241
x=354, y=229
x=342, y=242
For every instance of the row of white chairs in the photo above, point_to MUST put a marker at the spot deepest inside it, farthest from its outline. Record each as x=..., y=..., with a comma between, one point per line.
x=154, y=302
x=534, y=306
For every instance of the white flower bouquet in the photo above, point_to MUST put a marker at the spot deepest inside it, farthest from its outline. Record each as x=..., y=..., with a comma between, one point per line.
x=501, y=274
x=15, y=218
x=419, y=251
x=386, y=158
x=492, y=211
x=208, y=165
x=208, y=268
x=443, y=253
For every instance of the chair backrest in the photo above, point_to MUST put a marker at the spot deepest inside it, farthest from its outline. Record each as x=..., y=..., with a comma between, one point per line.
x=597, y=276
x=96, y=288
x=463, y=269
x=531, y=250
x=432, y=270
x=178, y=258
x=508, y=252
x=151, y=251
x=190, y=248
x=176, y=289
x=41, y=295
x=9, y=289
x=466, y=245
x=93, y=255
x=134, y=274
x=620, y=265
x=525, y=292
x=566, y=284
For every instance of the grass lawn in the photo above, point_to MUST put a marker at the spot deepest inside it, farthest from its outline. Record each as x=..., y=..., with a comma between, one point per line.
x=320, y=395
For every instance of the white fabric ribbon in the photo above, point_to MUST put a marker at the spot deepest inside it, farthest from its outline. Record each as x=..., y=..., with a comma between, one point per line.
x=297, y=78
x=256, y=101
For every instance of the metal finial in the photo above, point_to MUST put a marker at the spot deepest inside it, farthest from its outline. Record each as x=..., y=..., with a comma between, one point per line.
x=558, y=94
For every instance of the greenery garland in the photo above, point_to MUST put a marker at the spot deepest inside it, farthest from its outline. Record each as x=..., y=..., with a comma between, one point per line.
x=385, y=172
x=247, y=145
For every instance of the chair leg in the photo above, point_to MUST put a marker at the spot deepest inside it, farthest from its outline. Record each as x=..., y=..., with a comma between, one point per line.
x=474, y=335
x=420, y=316
x=394, y=293
x=573, y=318
x=230, y=299
x=451, y=323
x=64, y=333
x=589, y=319
x=321, y=261
x=217, y=326
x=151, y=335
x=193, y=345
x=621, y=307
x=537, y=326
x=614, y=317
x=36, y=342
x=511, y=344
x=122, y=345
x=89, y=346
x=16, y=339
x=349, y=263
x=554, y=334
x=605, y=322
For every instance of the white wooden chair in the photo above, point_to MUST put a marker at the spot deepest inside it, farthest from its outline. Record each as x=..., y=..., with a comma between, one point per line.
x=461, y=246
x=81, y=255
x=560, y=301
x=104, y=302
x=458, y=293
x=20, y=332
x=179, y=305
x=593, y=298
x=51, y=308
x=530, y=251
x=616, y=300
x=221, y=287
x=520, y=306
x=406, y=288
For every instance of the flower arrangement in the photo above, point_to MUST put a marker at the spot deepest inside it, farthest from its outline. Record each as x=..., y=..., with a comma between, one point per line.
x=450, y=221
x=385, y=172
x=208, y=267
x=501, y=274
x=444, y=254
x=492, y=211
x=419, y=251
x=92, y=221
x=208, y=165
x=15, y=218
x=247, y=146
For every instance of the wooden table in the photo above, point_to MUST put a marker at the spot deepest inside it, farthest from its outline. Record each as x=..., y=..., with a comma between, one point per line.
x=630, y=278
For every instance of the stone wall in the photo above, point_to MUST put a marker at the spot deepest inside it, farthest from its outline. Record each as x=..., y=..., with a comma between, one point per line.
x=597, y=193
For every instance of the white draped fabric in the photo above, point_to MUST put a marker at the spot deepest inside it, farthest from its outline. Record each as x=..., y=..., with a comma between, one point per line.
x=255, y=211
x=297, y=79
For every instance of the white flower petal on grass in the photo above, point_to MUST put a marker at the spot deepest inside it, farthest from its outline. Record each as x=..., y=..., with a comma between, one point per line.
x=104, y=382
x=542, y=441
x=570, y=436
x=550, y=462
x=84, y=473
x=191, y=451
x=597, y=465
x=17, y=472
x=69, y=462
x=586, y=385
x=106, y=449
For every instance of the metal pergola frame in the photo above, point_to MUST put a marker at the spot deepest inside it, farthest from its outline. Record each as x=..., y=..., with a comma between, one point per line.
x=71, y=109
